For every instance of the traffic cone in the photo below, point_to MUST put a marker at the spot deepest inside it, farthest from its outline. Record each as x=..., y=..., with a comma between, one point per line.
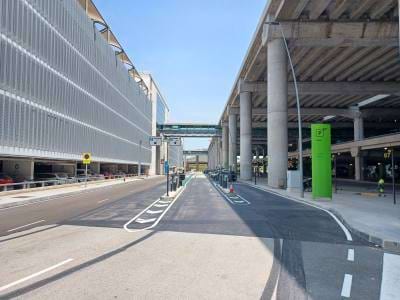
x=231, y=190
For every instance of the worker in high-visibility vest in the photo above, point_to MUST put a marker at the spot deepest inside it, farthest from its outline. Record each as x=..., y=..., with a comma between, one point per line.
x=381, y=186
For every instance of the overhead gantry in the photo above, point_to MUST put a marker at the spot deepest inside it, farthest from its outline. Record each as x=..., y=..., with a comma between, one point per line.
x=346, y=60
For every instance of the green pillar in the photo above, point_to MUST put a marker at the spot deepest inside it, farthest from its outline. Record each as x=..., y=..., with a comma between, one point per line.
x=321, y=161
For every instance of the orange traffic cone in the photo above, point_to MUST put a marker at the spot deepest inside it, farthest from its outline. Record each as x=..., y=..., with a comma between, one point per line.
x=231, y=190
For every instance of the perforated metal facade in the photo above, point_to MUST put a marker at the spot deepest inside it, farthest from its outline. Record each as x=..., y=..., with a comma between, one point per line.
x=63, y=91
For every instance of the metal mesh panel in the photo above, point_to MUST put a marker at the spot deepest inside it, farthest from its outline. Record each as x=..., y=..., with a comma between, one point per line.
x=68, y=92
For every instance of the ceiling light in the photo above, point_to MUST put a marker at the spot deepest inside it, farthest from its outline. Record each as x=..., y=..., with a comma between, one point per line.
x=372, y=100
x=327, y=118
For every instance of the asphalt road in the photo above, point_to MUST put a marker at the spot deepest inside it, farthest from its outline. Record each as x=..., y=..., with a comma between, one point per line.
x=202, y=245
x=71, y=208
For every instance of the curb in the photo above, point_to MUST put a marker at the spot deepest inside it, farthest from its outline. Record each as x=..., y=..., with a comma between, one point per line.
x=24, y=202
x=390, y=246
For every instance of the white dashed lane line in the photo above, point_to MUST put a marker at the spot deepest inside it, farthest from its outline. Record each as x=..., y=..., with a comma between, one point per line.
x=390, y=287
x=5, y=287
x=27, y=225
x=346, y=288
x=104, y=200
x=350, y=255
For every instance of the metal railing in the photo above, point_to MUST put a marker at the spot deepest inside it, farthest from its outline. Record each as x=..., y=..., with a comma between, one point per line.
x=72, y=180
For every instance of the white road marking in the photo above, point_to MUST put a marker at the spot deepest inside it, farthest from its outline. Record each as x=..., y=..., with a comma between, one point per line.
x=153, y=212
x=237, y=196
x=346, y=288
x=153, y=204
x=344, y=229
x=160, y=205
x=350, y=255
x=390, y=286
x=164, y=202
x=144, y=221
x=40, y=221
x=4, y=287
x=245, y=200
x=104, y=200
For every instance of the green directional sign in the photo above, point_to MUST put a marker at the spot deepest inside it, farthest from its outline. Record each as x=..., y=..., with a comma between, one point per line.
x=321, y=161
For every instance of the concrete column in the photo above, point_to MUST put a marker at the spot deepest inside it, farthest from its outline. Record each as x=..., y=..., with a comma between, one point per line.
x=358, y=159
x=246, y=155
x=358, y=128
x=277, y=114
x=232, y=141
x=225, y=147
x=219, y=145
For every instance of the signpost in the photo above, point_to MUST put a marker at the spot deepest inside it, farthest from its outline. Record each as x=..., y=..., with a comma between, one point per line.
x=155, y=140
x=172, y=141
x=175, y=141
x=86, y=159
x=321, y=161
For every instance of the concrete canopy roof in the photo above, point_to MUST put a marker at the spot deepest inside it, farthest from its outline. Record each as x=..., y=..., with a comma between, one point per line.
x=343, y=51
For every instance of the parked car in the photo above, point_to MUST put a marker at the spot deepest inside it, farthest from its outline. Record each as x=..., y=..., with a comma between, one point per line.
x=108, y=175
x=5, y=179
x=20, y=179
x=81, y=175
x=53, y=178
x=97, y=177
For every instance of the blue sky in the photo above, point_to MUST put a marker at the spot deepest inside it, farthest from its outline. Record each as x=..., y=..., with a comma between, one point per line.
x=193, y=48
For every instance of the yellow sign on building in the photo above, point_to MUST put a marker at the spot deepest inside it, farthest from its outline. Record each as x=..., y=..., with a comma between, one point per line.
x=86, y=158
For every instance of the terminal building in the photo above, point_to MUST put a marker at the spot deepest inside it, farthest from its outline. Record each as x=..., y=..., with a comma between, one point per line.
x=345, y=57
x=67, y=87
x=160, y=113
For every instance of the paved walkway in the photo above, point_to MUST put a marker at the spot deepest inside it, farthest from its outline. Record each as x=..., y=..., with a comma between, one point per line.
x=376, y=218
x=33, y=195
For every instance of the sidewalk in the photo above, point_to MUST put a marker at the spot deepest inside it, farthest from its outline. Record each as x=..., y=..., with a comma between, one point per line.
x=42, y=194
x=374, y=218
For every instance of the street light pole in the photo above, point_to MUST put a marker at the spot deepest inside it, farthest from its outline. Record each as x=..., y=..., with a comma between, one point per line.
x=300, y=143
